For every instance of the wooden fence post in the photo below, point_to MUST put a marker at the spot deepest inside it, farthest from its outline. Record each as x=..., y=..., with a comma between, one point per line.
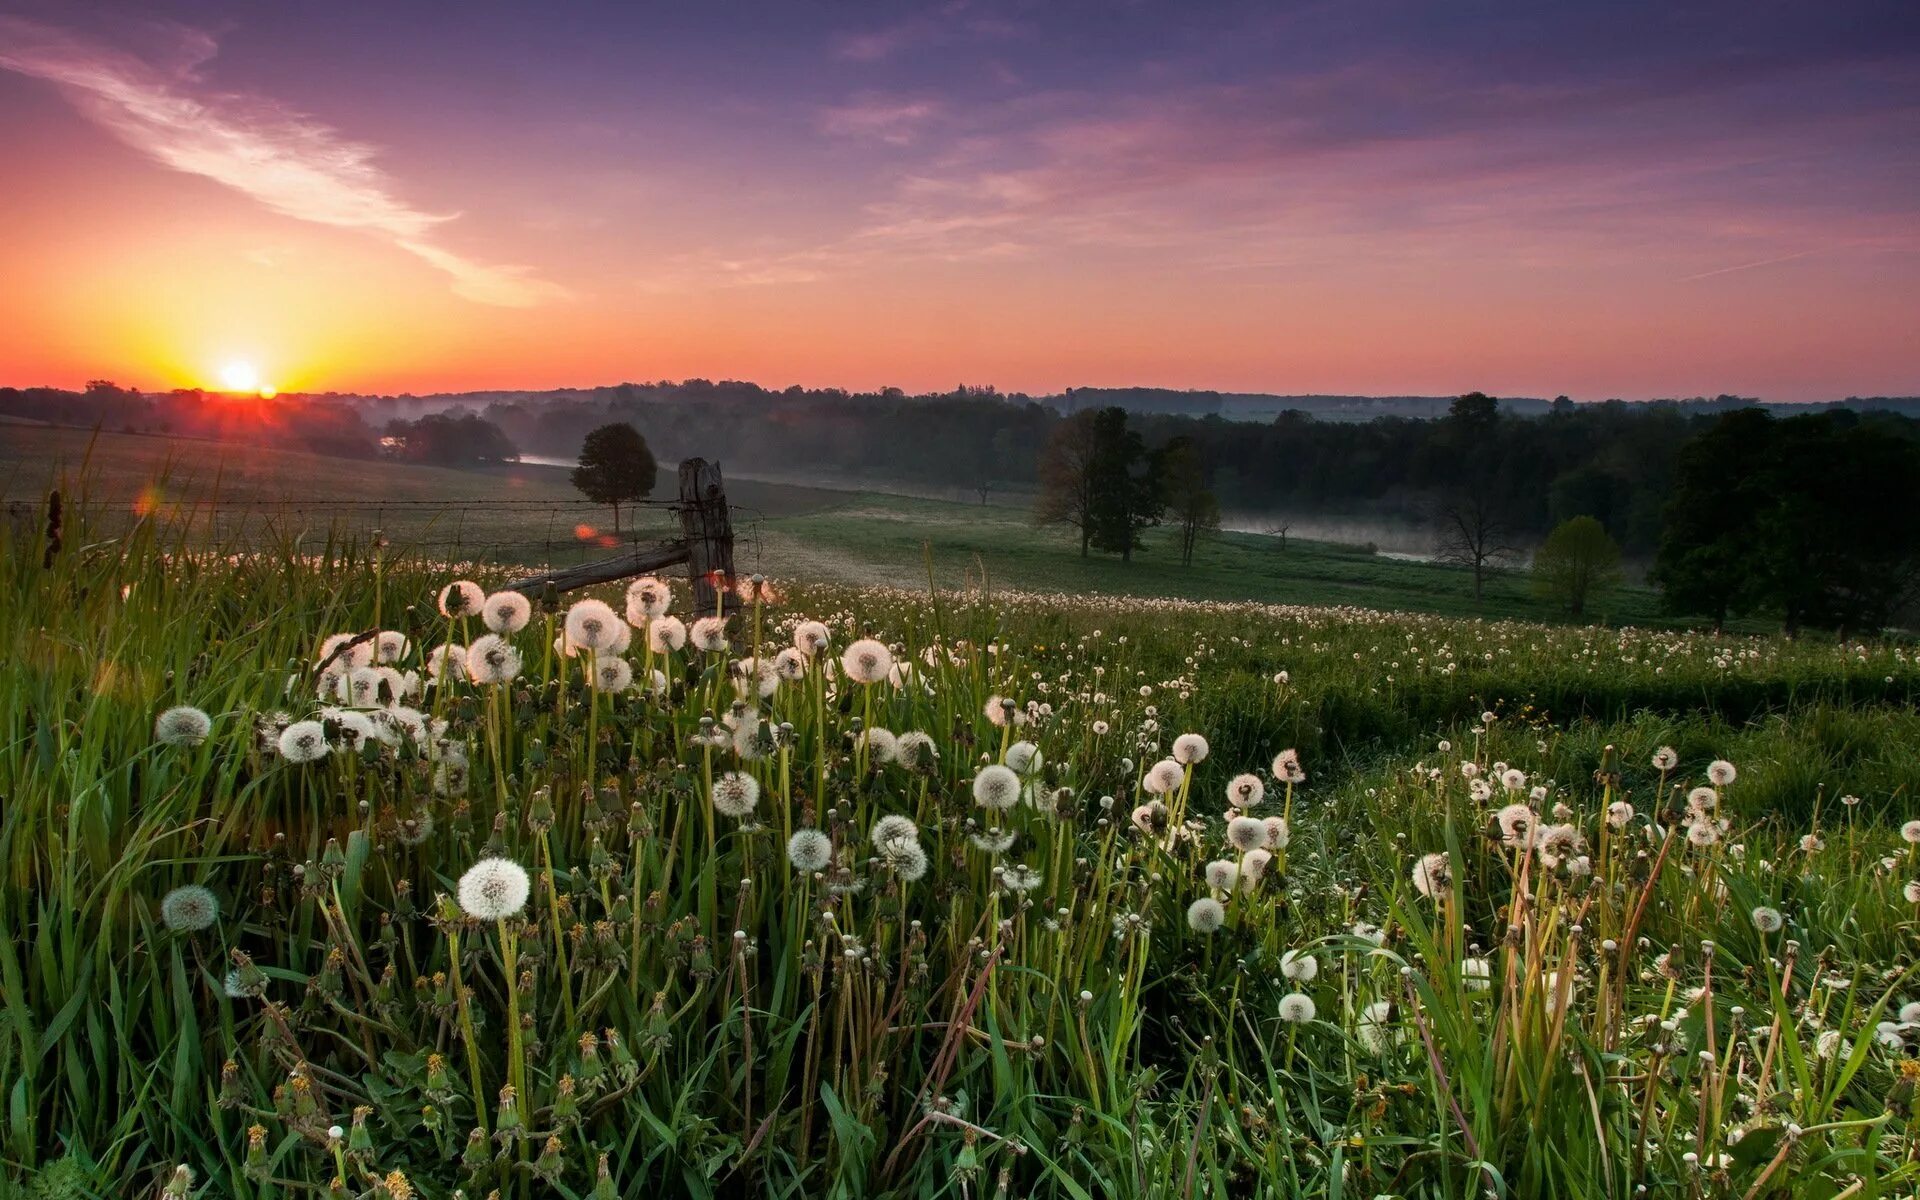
x=705, y=544
x=707, y=529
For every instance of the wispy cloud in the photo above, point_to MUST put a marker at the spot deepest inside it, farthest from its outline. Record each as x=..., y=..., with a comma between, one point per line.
x=286, y=161
x=892, y=120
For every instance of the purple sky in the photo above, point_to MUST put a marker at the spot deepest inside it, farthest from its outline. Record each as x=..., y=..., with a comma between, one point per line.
x=1600, y=199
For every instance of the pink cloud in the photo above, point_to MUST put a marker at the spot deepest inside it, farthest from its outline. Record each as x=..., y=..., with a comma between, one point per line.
x=285, y=161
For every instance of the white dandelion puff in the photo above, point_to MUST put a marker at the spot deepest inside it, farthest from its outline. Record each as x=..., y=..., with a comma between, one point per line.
x=647, y=599
x=866, y=661
x=996, y=787
x=665, y=635
x=592, y=625
x=1297, y=1008
x=809, y=850
x=1246, y=791
x=1433, y=876
x=1247, y=833
x=810, y=638
x=709, y=634
x=182, y=725
x=189, y=908
x=461, y=597
x=494, y=889
x=506, y=612
x=492, y=659
x=303, y=742
x=735, y=794
x=1206, y=915
x=1299, y=966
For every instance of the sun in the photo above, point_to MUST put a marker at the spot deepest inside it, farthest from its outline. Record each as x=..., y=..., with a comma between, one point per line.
x=240, y=377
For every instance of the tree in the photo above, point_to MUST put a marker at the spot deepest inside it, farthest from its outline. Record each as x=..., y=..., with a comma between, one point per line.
x=1194, y=509
x=1577, y=561
x=1811, y=518
x=450, y=440
x=1473, y=523
x=1067, y=477
x=615, y=467
x=1472, y=535
x=1705, y=563
x=1125, y=485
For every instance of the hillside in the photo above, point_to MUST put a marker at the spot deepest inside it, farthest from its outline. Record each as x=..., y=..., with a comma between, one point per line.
x=529, y=514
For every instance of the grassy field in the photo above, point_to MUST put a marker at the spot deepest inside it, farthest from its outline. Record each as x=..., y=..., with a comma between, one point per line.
x=1092, y=896
x=530, y=514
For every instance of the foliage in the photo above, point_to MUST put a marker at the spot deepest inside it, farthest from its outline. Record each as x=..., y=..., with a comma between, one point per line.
x=1576, y=562
x=615, y=467
x=1809, y=517
x=1096, y=475
x=1068, y=475
x=1124, y=483
x=449, y=440
x=1192, y=509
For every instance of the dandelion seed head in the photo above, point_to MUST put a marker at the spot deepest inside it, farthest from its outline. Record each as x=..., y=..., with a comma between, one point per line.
x=866, y=660
x=811, y=639
x=809, y=850
x=996, y=787
x=491, y=659
x=182, y=725
x=1246, y=791
x=1163, y=777
x=592, y=625
x=647, y=598
x=1299, y=966
x=735, y=794
x=1297, y=1008
x=1247, y=833
x=1433, y=875
x=494, y=889
x=189, y=908
x=462, y=597
x=1189, y=748
x=506, y=612
x=1206, y=915
x=303, y=742
x=708, y=634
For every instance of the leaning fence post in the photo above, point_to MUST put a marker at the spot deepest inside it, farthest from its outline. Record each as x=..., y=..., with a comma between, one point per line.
x=708, y=531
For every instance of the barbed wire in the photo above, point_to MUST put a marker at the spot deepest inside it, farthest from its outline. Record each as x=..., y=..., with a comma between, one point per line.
x=260, y=520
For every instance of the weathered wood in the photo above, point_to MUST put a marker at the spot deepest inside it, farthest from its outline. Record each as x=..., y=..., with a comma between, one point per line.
x=707, y=529
x=605, y=570
x=706, y=546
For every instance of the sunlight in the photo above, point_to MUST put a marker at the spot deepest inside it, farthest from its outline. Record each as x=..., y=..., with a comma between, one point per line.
x=240, y=377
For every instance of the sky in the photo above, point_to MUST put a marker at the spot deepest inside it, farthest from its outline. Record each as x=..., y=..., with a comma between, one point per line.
x=1635, y=198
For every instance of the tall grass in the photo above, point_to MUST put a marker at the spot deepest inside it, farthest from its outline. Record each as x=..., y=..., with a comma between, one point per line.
x=678, y=1009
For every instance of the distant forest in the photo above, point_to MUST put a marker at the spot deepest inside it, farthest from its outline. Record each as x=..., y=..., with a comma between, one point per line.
x=1545, y=461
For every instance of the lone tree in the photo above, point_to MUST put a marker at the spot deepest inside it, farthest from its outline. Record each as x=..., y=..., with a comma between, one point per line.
x=1067, y=477
x=1096, y=475
x=1472, y=516
x=1192, y=508
x=1576, y=562
x=1127, y=496
x=615, y=467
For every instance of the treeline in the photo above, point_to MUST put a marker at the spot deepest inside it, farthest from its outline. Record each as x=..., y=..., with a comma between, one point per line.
x=1616, y=461
x=289, y=422
x=313, y=424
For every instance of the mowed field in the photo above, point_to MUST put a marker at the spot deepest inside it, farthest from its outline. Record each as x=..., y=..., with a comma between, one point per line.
x=531, y=514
